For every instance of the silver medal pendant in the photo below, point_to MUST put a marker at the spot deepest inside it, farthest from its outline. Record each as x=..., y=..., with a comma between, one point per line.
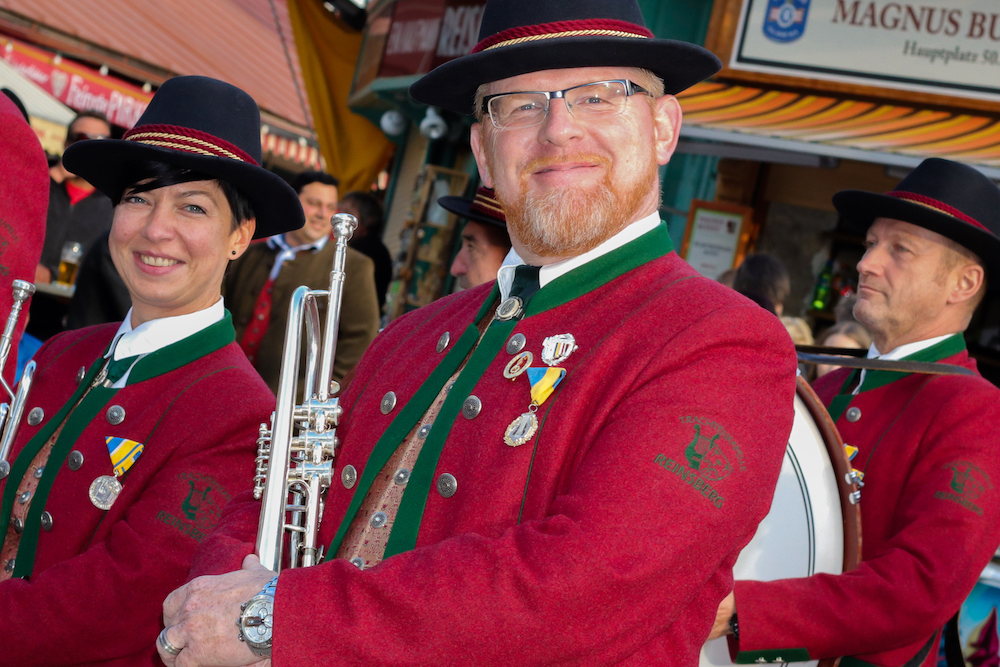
x=104, y=491
x=521, y=429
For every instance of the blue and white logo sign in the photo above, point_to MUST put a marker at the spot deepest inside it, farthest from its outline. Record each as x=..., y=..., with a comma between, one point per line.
x=786, y=19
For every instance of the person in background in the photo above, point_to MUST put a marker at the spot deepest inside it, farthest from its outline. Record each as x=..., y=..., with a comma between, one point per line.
x=258, y=286
x=764, y=275
x=77, y=211
x=923, y=445
x=100, y=295
x=849, y=334
x=137, y=434
x=485, y=241
x=367, y=237
x=462, y=529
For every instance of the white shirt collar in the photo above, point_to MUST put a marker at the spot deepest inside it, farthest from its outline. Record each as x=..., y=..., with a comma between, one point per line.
x=549, y=272
x=287, y=253
x=900, y=352
x=153, y=335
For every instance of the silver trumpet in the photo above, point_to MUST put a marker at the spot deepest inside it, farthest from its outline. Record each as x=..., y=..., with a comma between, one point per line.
x=295, y=456
x=10, y=413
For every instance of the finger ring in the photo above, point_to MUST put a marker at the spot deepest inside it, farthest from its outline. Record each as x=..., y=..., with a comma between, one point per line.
x=165, y=645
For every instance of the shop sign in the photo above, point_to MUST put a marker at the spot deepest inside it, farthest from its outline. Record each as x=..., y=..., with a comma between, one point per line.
x=426, y=33
x=77, y=86
x=949, y=47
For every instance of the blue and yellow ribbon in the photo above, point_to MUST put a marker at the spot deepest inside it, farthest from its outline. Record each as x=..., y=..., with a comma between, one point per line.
x=543, y=382
x=124, y=453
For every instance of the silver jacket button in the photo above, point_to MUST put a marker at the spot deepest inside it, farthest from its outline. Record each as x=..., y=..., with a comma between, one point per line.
x=46, y=521
x=378, y=519
x=81, y=374
x=75, y=460
x=853, y=414
x=401, y=477
x=423, y=431
x=447, y=485
x=24, y=497
x=388, y=402
x=349, y=476
x=18, y=526
x=516, y=343
x=35, y=416
x=358, y=562
x=443, y=341
x=116, y=415
x=39, y=472
x=472, y=407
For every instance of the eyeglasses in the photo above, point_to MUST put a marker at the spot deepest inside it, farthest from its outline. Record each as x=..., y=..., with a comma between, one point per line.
x=590, y=100
x=74, y=137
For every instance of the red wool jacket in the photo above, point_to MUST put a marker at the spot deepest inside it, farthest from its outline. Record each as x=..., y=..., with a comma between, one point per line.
x=930, y=519
x=609, y=537
x=99, y=578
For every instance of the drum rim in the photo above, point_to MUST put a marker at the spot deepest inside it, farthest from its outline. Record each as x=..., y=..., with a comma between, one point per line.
x=841, y=466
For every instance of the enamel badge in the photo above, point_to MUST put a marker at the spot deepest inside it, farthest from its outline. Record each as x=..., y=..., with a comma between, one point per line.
x=518, y=365
x=556, y=349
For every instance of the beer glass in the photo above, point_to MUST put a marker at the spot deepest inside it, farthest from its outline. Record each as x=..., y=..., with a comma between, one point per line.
x=69, y=262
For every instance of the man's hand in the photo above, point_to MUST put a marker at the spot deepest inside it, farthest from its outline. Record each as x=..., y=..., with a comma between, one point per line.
x=726, y=610
x=200, y=618
x=42, y=274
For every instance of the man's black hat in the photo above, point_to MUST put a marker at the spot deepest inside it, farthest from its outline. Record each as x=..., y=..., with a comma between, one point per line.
x=521, y=36
x=950, y=198
x=201, y=124
x=484, y=208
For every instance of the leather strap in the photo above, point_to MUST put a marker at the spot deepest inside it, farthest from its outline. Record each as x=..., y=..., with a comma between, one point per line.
x=899, y=366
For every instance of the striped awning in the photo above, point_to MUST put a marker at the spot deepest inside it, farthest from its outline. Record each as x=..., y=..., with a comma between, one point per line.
x=297, y=151
x=824, y=124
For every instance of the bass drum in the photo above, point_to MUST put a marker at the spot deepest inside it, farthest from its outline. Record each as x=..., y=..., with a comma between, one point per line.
x=813, y=526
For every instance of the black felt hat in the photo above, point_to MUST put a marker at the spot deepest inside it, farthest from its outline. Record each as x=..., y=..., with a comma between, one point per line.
x=950, y=198
x=483, y=208
x=201, y=124
x=521, y=36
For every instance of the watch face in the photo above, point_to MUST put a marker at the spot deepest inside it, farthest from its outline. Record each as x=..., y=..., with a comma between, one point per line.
x=257, y=621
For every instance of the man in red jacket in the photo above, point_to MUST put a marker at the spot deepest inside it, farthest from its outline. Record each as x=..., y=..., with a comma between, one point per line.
x=560, y=466
x=926, y=444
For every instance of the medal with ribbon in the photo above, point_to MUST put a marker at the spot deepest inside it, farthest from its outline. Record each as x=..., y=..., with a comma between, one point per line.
x=543, y=383
x=124, y=453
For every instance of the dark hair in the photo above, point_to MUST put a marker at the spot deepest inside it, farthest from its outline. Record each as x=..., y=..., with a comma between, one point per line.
x=153, y=174
x=369, y=210
x=91, y=113
x=307, y=177
x=497, y=235
x=764, y=275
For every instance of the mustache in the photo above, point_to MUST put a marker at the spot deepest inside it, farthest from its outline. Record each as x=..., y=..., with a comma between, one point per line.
x=546, y=162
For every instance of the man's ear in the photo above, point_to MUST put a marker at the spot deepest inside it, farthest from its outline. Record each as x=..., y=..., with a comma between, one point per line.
x=478, y=140
x=667, y=127
x=970, y=280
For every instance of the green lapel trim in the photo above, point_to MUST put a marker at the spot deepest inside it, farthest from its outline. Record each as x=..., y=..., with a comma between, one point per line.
x=949, y=347
x=197, y=345
x=402, y=425
x=651, y=245
x=164, y=360
x=773, y=655
x=595, y=273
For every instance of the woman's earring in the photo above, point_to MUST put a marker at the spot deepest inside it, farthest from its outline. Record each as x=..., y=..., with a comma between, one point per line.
x=234, y=252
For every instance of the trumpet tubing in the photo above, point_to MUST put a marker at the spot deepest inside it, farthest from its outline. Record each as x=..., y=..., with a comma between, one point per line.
x=294, y=465
x=10, y=413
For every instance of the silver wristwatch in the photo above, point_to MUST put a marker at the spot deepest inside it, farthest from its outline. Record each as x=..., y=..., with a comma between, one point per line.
x=256, y=621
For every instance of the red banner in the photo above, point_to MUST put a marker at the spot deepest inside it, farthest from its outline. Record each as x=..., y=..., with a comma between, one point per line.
x=426, y=33
x=77, y=86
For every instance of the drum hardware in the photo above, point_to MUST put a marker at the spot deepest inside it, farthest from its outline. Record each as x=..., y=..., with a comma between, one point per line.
x=295, y=455
x=10, y=413
x=814, y=524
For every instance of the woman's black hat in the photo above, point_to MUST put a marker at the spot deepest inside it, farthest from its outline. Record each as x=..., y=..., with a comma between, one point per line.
x=521, y=36
x=201, y=124
x=950, y=198
x=484, y=208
